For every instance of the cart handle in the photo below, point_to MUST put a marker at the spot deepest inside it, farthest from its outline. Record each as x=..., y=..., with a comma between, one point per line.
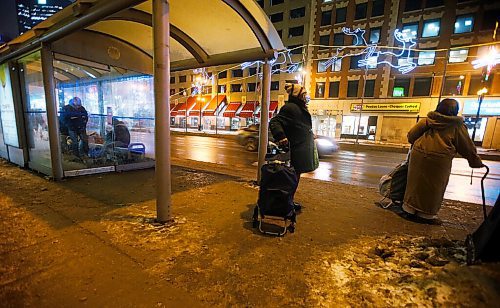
x=482, y=190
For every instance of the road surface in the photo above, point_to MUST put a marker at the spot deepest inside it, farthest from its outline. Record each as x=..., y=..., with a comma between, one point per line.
x=349, y=167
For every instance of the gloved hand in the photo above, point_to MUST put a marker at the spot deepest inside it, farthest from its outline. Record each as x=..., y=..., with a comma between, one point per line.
x=283, y=142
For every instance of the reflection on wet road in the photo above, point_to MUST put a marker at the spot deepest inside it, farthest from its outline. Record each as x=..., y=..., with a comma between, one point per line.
x=357, y=168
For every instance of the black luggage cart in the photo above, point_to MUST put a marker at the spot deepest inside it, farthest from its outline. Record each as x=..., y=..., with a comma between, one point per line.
x=277, y=187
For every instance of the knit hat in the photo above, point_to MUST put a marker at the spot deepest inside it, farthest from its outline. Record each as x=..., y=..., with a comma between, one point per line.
x=296, y=90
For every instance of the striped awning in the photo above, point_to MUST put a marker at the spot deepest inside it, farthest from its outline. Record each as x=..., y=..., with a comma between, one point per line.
x=248, y=109
x=272, y=109
x=200, y=104
x=231, y=109
x=214, y=104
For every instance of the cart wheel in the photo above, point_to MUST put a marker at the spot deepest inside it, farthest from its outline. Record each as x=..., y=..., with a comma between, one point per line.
x=291, y=228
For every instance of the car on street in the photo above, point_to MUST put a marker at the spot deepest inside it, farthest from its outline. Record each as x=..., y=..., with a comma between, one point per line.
x=249, y=138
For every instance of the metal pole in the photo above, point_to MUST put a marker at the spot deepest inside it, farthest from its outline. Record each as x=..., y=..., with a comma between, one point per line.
x=480, y=100
x=264, y=116
x=100, y=101
x=186, y=114
x=161, y=66
x=444, y=74
x=52, y=119
x=361, y=108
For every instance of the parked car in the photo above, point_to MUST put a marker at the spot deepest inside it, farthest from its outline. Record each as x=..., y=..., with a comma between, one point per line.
x=249, y=138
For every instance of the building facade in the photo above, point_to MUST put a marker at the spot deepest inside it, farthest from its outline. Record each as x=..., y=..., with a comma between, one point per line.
x=240, y=87
x=381, y=101
x=32, y=12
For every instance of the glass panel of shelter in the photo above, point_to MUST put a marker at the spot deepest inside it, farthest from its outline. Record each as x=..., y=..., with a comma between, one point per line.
x=35, y=113
x=120, y=125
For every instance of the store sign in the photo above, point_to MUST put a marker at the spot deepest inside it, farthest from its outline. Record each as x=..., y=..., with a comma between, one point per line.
x=489, y=107
x=7, y=113
x=391, y=107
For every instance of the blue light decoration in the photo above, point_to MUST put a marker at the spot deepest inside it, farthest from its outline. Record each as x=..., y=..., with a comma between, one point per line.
x=373, y=58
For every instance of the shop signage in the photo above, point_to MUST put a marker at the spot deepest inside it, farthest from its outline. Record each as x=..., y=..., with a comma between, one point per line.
x=489, y=107
x=383, y=107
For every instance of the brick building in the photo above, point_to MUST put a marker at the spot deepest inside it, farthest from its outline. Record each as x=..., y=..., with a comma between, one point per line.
x=447, y=34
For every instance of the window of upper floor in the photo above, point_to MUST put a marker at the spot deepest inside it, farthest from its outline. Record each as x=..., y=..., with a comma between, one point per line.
x=298, y=13
x=464, y=24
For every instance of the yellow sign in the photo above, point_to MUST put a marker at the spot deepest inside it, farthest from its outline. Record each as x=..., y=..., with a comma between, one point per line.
x=397, y=107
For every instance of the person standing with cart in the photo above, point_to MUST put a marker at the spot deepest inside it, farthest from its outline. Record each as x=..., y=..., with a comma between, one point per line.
x=435, y=142
x=292, y=127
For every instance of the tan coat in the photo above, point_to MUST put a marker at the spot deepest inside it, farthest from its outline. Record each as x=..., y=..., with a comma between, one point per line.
x=435, y=141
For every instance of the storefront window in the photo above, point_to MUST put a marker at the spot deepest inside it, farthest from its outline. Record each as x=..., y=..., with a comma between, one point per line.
x=480, y=125
x=36, y=114
x=350, y=126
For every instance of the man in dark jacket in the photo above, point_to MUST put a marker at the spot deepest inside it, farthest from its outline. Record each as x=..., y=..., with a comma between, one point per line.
x=74, y=118
x=292, y=126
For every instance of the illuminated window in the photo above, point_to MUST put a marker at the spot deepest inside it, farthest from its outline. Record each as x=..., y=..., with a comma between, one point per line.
x=320, y=90
x=410, y=30
x=464, y=24
x=337, y=65
x=431, y=28
x=426, y=57
x=457, y=56
x=322, y=67
x=401, y=87
x=374, y=35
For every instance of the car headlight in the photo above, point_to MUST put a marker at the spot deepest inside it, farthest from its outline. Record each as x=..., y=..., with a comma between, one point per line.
x=324, y=142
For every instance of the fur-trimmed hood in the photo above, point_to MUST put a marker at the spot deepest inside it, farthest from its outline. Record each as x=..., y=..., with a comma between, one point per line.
x=439, y=121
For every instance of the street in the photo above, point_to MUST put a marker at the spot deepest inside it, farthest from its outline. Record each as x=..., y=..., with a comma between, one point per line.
x=356, y=168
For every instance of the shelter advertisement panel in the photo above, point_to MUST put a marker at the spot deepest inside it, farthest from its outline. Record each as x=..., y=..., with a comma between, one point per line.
x=387, y=107
x=7, y=113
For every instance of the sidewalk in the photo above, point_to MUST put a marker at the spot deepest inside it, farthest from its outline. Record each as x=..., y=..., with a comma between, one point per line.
x=92, y=241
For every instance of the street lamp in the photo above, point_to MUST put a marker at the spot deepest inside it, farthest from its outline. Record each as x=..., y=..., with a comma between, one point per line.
x=480, y=94
x=487, y=62
x=201, y=100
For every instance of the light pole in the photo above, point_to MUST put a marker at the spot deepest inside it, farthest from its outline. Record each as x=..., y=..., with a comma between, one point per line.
x=480, y=94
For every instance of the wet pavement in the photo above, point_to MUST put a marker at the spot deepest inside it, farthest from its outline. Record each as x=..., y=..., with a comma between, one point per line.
x=348, y=167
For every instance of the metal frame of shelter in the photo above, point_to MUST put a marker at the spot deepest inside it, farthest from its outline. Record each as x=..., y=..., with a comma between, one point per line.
x=180, y=40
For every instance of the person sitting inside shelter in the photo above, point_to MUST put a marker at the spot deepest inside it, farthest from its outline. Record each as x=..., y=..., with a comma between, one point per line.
x=120, y=135
x=74, y=119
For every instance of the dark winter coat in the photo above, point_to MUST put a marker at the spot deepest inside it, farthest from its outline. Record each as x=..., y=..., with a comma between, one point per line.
x=294, y=123
x=435, y=141
x=120, y=134
x=74, y=118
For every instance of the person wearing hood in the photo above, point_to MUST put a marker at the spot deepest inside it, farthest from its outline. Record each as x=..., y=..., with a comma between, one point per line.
x=74, y=122
x=292, y=127
x=436, y=140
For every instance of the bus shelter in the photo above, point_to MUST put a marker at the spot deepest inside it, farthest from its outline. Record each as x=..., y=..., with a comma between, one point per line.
x=116, y=56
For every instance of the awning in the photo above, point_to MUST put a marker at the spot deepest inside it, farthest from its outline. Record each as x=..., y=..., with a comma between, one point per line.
x=231, y=109
x=173, y=112
x=199, y=105
x=272, y=108
x=248, y=109
x=190, y=102
x=214, y=105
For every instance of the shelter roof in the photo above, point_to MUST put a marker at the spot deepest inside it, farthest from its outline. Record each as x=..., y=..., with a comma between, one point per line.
x=203, y=33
